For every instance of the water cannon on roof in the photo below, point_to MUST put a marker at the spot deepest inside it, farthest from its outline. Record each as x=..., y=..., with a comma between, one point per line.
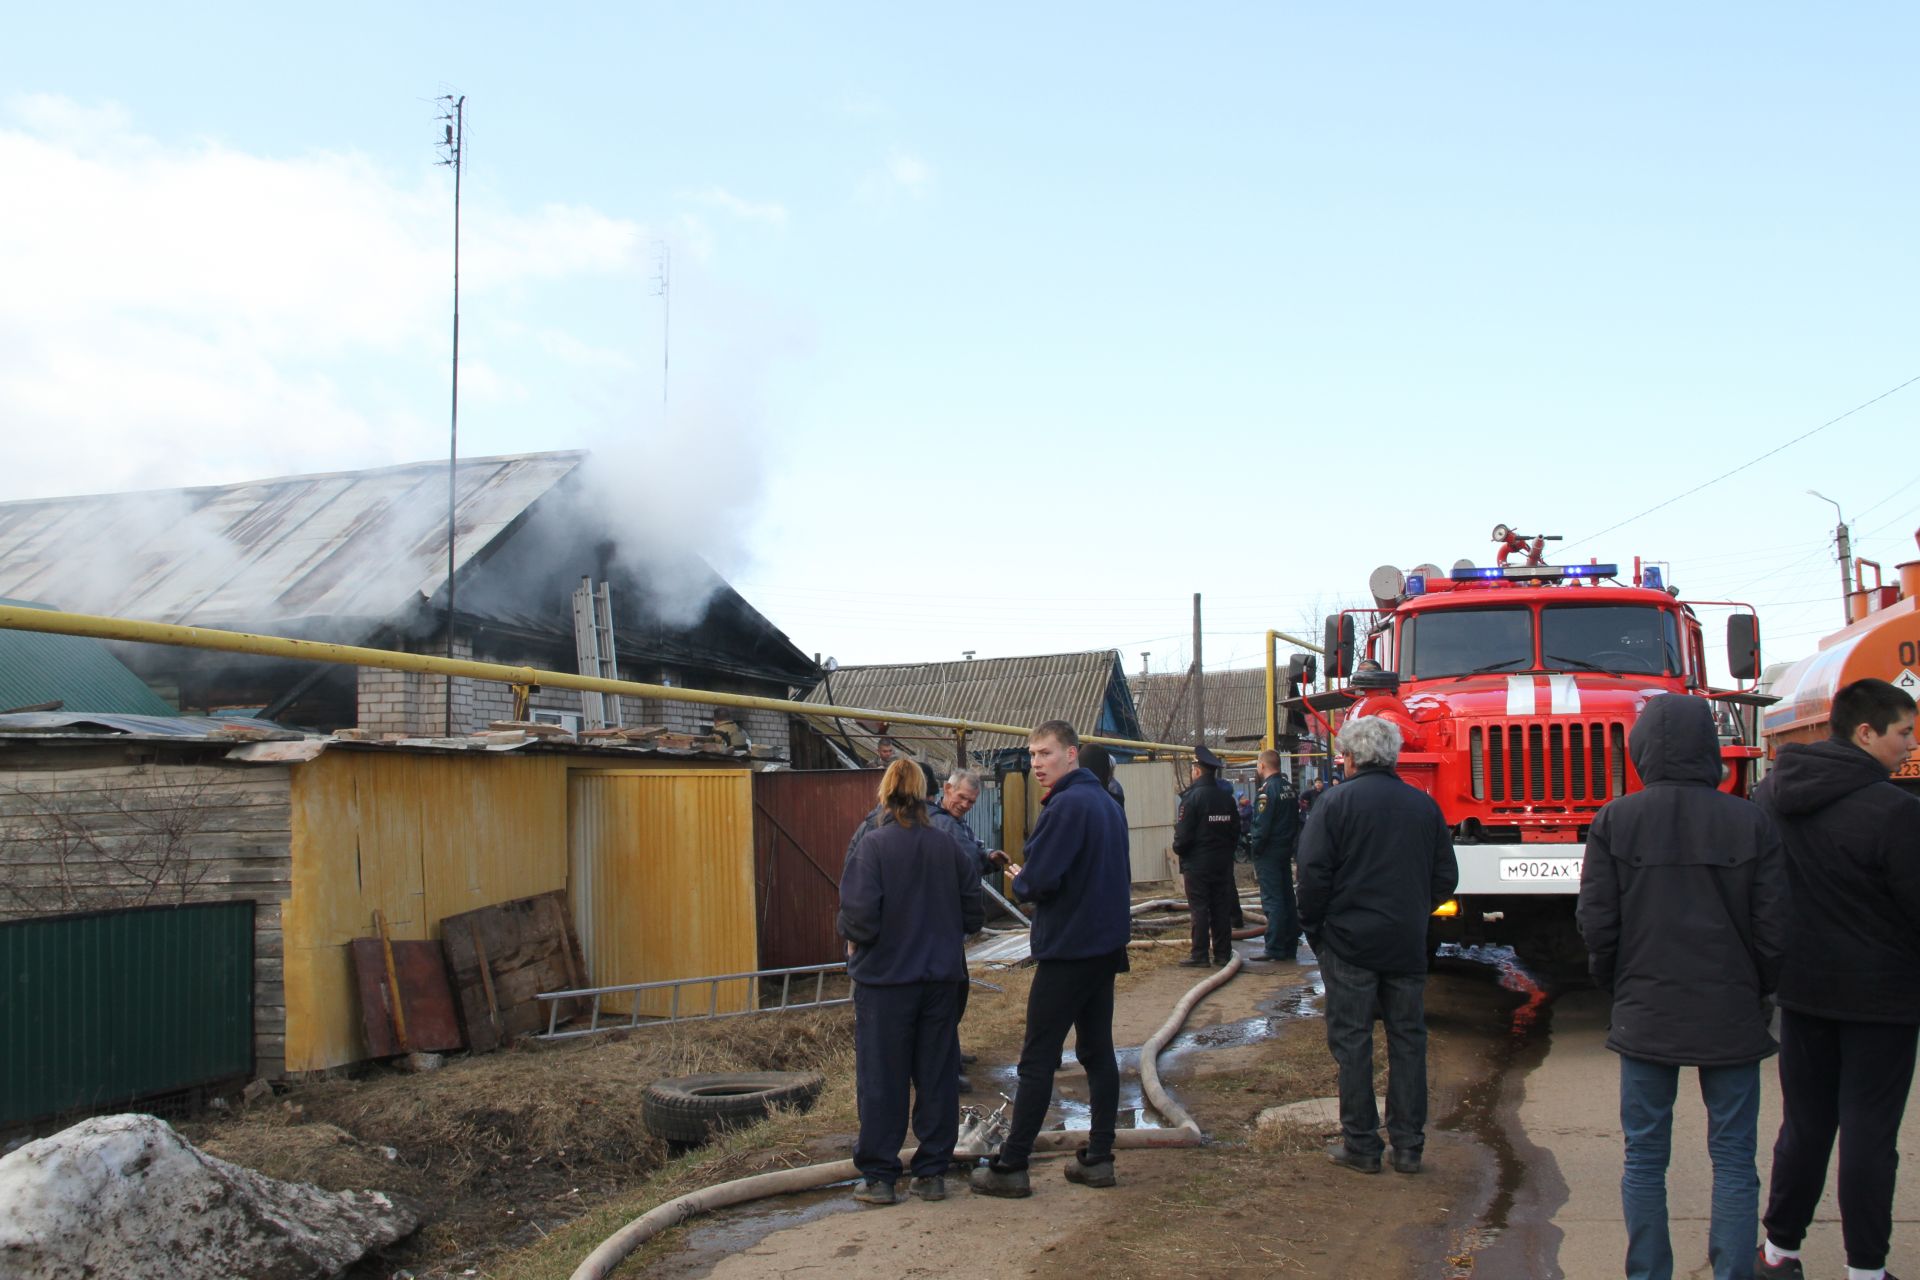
x=1533, y=545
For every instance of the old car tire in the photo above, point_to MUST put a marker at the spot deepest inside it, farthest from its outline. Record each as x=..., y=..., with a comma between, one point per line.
x=691, y=1109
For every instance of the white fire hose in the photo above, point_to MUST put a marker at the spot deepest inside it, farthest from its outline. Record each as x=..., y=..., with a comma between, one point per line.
x=1183, y=1132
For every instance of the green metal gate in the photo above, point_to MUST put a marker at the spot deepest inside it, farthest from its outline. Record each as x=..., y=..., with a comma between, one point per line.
x=100, y=1009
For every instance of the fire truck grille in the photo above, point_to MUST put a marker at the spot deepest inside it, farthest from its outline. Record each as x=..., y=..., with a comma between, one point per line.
x=1524, y=762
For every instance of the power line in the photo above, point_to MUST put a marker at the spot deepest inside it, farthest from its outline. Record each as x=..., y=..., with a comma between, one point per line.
x=1743, y=466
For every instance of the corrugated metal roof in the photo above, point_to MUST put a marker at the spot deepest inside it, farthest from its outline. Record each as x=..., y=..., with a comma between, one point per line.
x=352, y=544
x=1236, y=706
x=76, y=672
x=1075, y=687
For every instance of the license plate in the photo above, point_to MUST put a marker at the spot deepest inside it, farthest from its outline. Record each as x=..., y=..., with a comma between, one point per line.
x=1540, y=869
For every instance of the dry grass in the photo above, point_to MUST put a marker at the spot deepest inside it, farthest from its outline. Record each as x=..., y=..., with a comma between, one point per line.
x=504, y=1147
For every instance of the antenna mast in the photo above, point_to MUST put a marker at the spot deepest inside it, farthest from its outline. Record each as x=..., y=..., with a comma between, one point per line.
x=451, y=146
x=662, y=284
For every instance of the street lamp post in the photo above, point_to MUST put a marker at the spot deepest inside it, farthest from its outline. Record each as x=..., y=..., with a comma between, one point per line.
x=1845, y=542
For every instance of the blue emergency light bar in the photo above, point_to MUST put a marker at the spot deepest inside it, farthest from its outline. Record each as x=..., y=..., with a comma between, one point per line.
x=1523, y=572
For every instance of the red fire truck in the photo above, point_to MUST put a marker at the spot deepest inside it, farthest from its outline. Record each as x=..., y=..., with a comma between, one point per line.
x=1515, y=686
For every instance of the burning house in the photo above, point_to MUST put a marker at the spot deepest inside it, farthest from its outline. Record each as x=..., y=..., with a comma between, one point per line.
x=361, y=557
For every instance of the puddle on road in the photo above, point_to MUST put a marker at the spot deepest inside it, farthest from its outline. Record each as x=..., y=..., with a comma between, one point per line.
x=715, y=1238
x=1297, y=1002
x=1479, y=1112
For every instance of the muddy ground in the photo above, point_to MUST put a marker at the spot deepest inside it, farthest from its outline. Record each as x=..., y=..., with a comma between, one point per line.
x=1251, y=1203
x=526, y=1159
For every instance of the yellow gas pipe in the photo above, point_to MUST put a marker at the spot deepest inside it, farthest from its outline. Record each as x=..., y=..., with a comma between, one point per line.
x=55, y=622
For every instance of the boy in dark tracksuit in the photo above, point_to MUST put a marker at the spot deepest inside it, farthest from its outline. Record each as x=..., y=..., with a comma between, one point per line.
x=1850, y=989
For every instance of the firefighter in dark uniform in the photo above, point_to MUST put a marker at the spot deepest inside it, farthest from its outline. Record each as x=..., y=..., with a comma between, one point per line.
x=1204, y=839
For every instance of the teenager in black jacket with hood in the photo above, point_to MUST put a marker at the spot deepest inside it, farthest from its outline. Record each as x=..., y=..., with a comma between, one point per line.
x=1850, y=995
x=1683, y=906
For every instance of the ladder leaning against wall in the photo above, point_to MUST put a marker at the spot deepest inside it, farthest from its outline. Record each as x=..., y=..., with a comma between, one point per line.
x=593, y=641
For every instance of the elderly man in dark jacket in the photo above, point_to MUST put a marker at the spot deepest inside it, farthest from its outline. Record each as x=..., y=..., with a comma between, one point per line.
x=1850, y=991
x=1375, y=860
x=1683, y=906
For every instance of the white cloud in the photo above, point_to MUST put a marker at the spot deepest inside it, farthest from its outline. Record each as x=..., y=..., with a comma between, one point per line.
x=175, y=313
x=770, y=212
x=904, y=175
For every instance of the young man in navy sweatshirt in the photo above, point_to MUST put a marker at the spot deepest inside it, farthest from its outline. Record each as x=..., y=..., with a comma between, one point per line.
x=1077, y=876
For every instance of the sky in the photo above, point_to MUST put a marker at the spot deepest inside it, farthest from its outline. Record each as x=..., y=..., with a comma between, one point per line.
x=1009, y=328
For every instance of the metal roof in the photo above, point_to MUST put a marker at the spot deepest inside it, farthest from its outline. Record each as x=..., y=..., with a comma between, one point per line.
x=350, y=544
x=76, y=672
x=1236, y=706
x=1084, y=689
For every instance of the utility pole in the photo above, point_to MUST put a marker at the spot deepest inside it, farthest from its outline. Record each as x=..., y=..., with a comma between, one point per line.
x=1844, y=540
x=1199, y=681
x=452, y=144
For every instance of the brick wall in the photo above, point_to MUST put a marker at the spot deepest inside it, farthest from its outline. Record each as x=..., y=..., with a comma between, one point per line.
x=408, y=703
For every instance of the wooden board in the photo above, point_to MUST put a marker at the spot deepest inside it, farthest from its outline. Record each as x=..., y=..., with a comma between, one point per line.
x=426, y=999
x=501, y=957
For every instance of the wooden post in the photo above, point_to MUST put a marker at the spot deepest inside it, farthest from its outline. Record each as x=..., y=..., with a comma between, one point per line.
x=393, y=982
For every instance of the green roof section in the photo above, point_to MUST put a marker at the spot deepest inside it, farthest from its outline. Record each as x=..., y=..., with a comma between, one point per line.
x=75, y=671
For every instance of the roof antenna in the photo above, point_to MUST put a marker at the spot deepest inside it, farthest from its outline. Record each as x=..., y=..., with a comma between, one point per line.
x=452, y=147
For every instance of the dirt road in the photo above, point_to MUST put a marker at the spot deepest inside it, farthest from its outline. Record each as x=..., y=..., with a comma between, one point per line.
x=1250, y=1203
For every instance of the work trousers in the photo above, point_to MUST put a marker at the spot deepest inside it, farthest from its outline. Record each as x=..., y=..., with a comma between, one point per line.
x=1274, y=872
x=1211, y=898
x=906, y=1037
x=1849, y=1078
x=1076, y=994
x=1732, y=1097
x=1353, y=994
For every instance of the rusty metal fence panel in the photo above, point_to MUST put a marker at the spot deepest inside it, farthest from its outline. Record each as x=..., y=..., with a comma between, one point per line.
x=106, y=1008
x=802, y=821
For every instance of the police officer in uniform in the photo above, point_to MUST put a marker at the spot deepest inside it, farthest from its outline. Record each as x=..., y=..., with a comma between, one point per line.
x=1276, y=829
x=1208, y=830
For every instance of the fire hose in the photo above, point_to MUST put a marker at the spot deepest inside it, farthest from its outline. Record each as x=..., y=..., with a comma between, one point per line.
x=1182, y=1132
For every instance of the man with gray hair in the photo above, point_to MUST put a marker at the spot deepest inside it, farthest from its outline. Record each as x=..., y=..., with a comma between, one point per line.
x=1375, y=860
x=948, y=813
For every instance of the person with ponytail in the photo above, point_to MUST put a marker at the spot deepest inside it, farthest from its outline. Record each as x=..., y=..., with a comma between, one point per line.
x=909, y=896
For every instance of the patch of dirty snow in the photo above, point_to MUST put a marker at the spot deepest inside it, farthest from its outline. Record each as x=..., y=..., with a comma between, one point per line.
x=127, y=1196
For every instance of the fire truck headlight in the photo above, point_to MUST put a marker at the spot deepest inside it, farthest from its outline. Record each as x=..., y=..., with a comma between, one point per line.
x=1449, y=908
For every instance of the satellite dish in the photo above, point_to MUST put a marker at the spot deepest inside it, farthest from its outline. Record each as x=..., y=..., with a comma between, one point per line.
x=830, y=666
x=1387, y=583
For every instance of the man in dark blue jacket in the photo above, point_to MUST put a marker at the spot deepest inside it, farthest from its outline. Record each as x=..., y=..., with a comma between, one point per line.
x=1375, y=860
x=1276, y=828
x=1850, y=988
x=1683, y=907
x=1077, y=875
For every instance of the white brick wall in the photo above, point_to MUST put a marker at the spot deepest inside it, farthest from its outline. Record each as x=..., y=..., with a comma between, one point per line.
x=414, y=704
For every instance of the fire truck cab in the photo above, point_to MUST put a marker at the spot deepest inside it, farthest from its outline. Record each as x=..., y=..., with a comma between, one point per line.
x=1514, y=687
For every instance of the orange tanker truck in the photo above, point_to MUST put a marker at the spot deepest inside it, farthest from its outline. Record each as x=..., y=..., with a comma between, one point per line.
x=1881, y=640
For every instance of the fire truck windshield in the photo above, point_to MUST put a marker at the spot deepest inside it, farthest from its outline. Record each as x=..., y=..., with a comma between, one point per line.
x=1460, y=642
x=1624, y=639
x=1629, y=639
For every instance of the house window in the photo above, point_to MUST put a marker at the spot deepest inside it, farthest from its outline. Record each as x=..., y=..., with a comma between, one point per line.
x=568, y=720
